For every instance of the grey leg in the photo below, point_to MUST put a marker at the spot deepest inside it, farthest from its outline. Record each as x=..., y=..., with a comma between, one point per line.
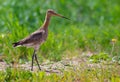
x=37, y=62
x=32, y=60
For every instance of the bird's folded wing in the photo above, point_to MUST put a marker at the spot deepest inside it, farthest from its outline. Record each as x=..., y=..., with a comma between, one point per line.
x=34, y=37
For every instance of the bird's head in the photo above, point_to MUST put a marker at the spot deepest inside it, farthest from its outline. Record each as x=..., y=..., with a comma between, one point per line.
x=53, y=13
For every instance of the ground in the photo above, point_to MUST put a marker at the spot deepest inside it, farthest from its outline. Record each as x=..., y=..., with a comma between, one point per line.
x=74, y=63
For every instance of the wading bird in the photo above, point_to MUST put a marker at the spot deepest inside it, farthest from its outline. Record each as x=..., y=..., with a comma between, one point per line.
x=38, y=37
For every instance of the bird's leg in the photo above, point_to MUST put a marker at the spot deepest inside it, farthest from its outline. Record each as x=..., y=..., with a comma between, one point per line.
x=37, y=61
x=32, y=60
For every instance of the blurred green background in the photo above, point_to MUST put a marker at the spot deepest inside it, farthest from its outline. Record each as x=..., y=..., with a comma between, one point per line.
x=92, y=37
x=93, y=24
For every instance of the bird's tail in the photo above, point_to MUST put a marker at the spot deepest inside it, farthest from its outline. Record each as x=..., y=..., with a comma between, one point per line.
x=16, y=44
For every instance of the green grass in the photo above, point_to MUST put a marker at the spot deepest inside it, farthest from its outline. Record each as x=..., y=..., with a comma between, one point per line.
x=85, y=75
x=89, y=29
x=93, y=25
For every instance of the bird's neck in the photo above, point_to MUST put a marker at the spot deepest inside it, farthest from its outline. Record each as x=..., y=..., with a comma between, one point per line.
x=46, y=22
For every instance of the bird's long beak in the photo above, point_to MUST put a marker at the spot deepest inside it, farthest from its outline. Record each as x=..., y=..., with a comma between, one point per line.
x=55, y=14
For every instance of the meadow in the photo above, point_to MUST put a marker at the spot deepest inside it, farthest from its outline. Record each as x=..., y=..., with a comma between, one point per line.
x=93, y=28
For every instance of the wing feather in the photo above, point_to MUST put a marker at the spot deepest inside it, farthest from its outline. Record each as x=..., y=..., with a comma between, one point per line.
x=35, y=37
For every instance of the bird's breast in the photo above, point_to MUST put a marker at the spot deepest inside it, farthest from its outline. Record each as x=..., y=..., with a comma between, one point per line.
x=45, y=35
